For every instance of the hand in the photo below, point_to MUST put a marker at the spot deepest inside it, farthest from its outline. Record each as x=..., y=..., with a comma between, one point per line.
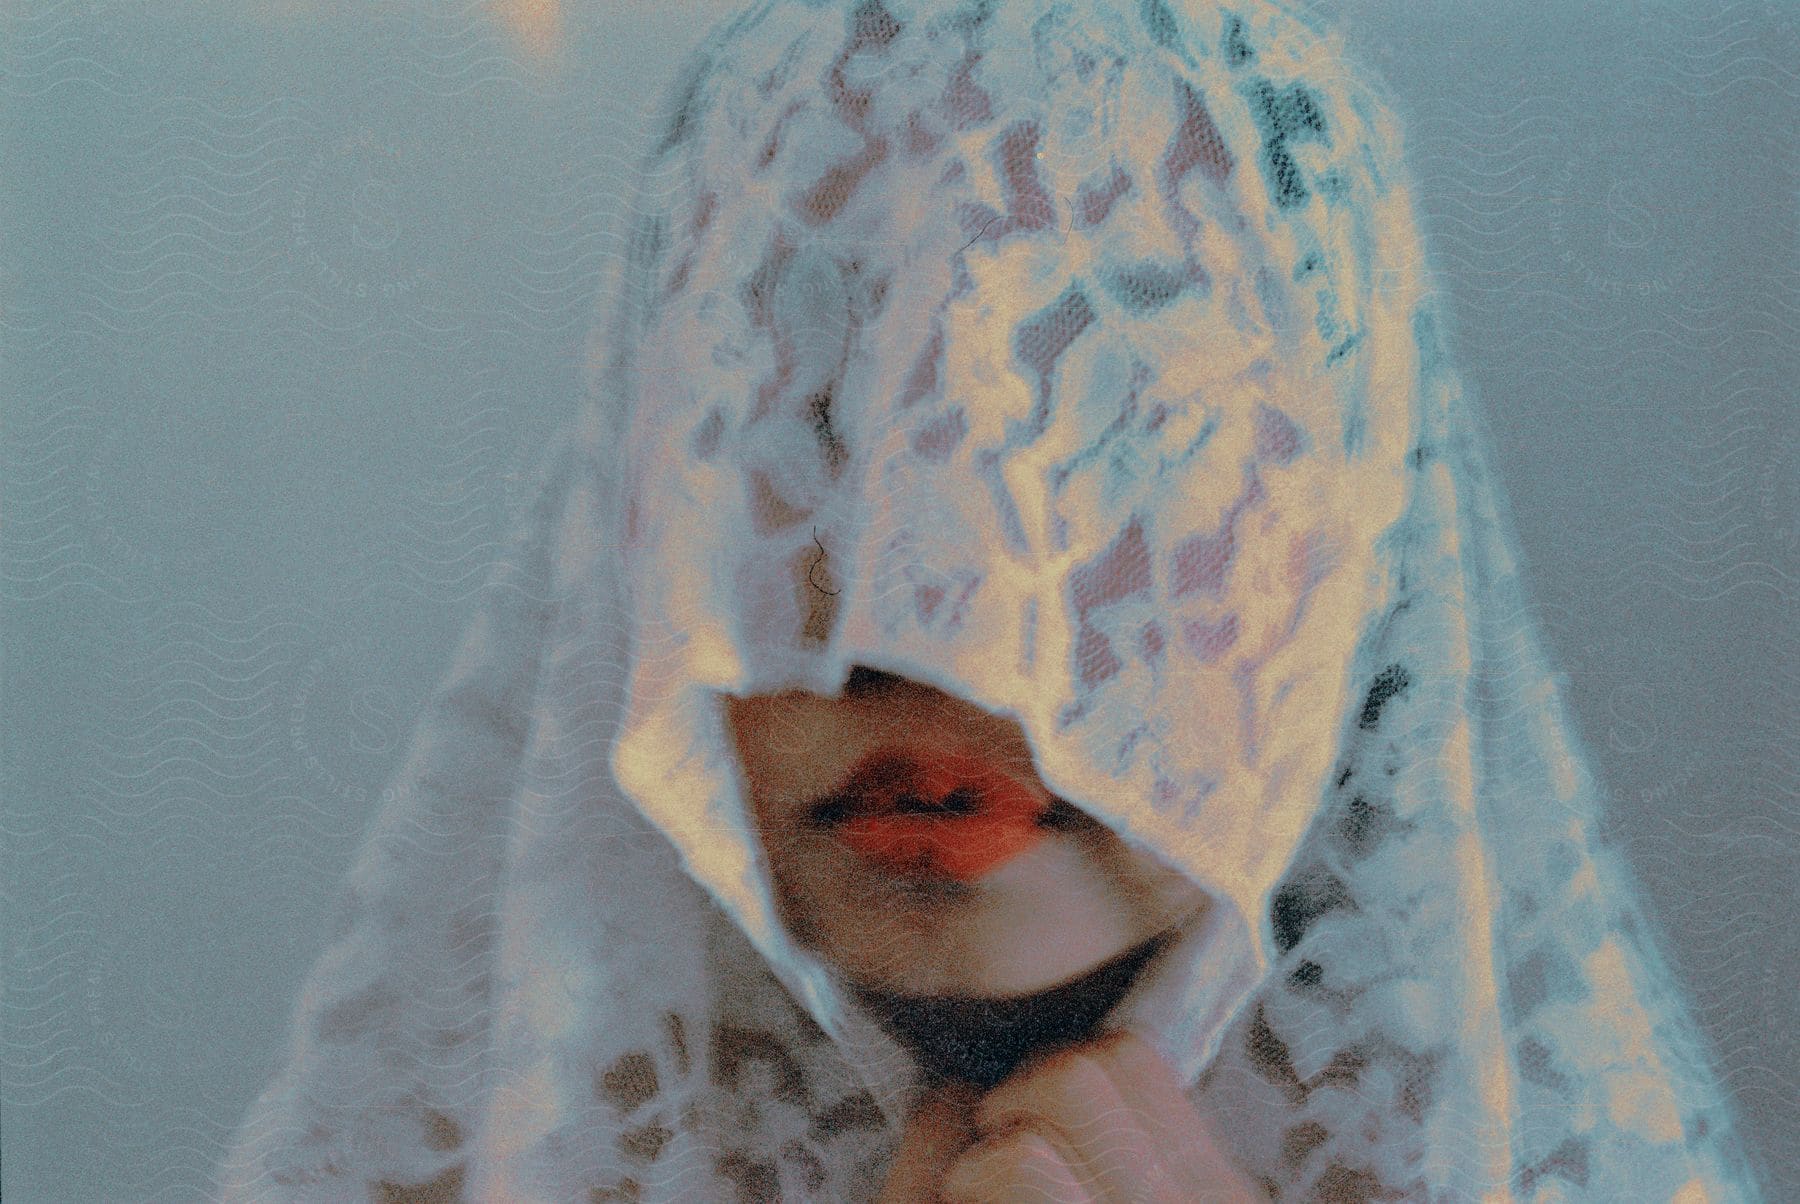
x=1105, y=1122
x=941, y=1127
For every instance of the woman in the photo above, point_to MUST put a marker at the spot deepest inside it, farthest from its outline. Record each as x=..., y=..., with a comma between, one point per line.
x=1026, y=620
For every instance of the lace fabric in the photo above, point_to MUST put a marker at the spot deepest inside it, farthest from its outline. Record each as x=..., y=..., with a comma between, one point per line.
x=1082, y=361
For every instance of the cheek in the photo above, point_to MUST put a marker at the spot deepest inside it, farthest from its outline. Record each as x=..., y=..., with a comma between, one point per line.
x=1151, y=887
x=803, y=869
x=797, y=892
x=801, y=861
x=788, y=754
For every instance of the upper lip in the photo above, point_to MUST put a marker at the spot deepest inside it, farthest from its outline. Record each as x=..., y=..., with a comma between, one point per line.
x=895, y=781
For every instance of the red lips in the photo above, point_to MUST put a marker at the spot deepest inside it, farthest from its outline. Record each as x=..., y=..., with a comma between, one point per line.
x=949, y=816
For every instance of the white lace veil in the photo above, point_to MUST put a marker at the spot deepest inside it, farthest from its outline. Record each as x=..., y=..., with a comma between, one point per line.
x=1081, y=360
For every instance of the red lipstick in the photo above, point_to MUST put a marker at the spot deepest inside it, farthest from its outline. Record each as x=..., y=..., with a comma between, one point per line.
x=948, y=816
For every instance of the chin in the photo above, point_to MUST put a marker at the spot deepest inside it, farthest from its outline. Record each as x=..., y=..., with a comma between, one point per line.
x=1051, y=915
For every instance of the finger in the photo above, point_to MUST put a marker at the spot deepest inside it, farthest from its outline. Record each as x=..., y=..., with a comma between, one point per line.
x=940, y=1128
x=1020, y=1166
x=1143, y=1076
x=1147, y=1081
x=1071, y=1101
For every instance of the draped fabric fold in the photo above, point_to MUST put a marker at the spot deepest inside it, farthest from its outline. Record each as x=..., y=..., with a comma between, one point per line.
x=1083, y=361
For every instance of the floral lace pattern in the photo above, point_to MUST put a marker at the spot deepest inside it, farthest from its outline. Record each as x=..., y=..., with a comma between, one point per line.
x=1082, y=360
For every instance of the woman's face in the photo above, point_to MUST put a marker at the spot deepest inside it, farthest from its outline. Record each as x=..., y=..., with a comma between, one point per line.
x=913, y=845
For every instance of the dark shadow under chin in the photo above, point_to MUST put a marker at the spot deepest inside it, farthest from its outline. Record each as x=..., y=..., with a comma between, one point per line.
x=982, y=1041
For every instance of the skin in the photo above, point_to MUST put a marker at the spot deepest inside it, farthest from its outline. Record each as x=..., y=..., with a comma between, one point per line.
x=1071, y=902
x=1101, y=1123
x=1105, y=1121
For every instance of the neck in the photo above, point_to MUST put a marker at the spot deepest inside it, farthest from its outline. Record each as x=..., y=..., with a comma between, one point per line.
x=981, y=1041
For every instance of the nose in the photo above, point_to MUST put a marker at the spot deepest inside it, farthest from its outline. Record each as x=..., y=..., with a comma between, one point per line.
x=952, y=814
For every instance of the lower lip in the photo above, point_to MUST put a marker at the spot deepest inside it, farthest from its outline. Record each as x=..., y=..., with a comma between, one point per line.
x=959, y=847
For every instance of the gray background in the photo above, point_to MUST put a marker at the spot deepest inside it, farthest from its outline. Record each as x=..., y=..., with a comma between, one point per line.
x=293, y=295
